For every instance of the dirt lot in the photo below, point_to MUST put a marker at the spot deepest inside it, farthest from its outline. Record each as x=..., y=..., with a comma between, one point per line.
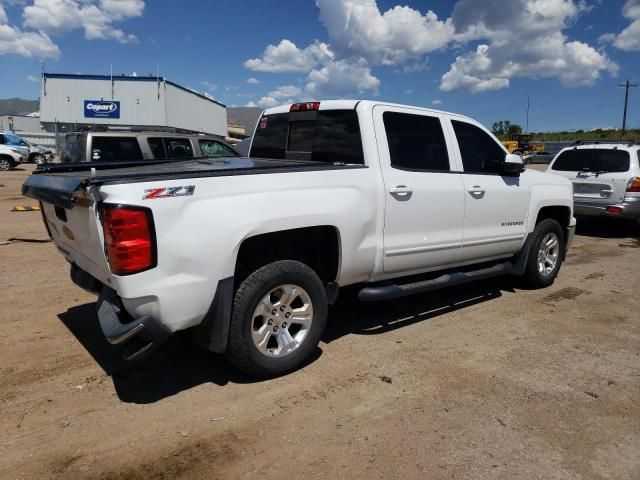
x=480, y=381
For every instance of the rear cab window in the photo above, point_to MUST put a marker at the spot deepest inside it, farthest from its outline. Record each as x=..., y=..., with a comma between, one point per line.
x=325, y=136
x=592, y=160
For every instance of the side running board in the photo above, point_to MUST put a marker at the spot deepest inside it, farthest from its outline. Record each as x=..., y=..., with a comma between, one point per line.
x=388, y=292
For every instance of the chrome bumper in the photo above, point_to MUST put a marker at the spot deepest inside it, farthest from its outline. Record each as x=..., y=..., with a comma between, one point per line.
x=629, y=208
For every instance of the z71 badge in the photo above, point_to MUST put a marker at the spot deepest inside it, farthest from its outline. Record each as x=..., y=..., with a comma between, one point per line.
x=168, y=192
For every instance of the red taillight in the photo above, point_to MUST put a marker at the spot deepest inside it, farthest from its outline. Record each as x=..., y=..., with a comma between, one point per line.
x=613, y=210
x=634, y=185
x=304, y=107
x=128, y=238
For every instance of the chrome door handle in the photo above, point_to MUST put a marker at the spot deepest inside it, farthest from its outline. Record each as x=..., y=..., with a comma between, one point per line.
x=401, y=190
x=475, y=189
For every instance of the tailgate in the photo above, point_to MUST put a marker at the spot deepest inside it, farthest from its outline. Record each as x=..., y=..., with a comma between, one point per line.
x=605, y=188
x=70, y=212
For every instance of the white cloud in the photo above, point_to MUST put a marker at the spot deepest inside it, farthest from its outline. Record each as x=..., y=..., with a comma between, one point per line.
x=211, y=87
x=534, y=26
x=415, y=67
x=251, y=104
x=511, y=39
x=33, y=78
x=287, y=57
x=59, y=16
x=13, y=41
x=629, y=39
x=253, y=81
x=437, y=102
x=342, y=79
x=122, y=8
x=358, y=29
x=281, y=95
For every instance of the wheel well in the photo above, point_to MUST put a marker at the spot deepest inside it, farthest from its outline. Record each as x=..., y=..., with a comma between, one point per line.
x=317, y=247
x=558, y=213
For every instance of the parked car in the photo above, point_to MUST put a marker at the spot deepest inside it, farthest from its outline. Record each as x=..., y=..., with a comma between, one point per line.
x=32, y=153
x=605, y=176
x=538, y=157
x=131, y=146
x=251, y=251
x=10, y=157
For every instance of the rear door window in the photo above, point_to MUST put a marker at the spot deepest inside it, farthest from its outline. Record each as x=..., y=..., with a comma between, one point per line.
x=327, y=136
x=592, y=160
x=178, y=148
x=416, y=142
x=115, y=149
x=169, y=147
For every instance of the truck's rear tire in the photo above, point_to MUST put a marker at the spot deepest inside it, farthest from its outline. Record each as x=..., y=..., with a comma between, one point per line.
x=279, y=314
x=546, y=254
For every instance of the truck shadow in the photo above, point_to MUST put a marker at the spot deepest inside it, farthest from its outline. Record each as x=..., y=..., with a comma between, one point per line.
x=351, y=316
x=180, y=364
x=607, y=228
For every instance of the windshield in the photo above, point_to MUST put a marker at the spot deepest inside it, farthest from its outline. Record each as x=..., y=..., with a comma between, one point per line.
x=592, y=160
x=13, y=139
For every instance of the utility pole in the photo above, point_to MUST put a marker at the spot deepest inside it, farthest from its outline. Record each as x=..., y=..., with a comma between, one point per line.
x=626, y=86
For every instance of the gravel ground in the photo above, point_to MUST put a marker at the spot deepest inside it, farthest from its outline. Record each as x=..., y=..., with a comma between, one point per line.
x=480, y=381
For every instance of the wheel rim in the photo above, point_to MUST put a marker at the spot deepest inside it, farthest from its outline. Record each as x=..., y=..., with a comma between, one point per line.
x=281, y=321
x=548, y=254
x=39, y=159
x=4, y=165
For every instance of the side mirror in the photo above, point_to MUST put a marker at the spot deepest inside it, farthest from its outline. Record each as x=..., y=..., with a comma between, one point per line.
x=512, y=165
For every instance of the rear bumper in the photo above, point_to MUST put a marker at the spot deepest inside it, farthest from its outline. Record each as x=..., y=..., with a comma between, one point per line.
x=629, y=208
x=139, y=336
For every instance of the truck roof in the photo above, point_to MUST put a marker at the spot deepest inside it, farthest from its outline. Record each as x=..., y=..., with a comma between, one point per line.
x=352, y=104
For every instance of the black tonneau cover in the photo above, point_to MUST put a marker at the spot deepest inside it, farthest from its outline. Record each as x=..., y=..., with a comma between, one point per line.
x=58, y=184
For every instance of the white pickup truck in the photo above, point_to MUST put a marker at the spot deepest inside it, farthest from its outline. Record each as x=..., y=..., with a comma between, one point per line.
x=251, y=251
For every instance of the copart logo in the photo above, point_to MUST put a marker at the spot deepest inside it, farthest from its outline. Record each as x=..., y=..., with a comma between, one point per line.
x=102, y=107
x=168, y=192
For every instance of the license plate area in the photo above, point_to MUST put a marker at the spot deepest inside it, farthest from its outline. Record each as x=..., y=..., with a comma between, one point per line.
x=593, y=190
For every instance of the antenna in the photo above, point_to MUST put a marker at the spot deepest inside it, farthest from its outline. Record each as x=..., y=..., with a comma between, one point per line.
x=158, y=79
x=528, y=105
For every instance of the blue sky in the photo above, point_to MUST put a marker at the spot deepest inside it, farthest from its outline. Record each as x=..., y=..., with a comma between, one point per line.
x=477, y=57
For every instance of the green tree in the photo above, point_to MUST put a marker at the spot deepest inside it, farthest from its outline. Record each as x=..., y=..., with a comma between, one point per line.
x=514, y=128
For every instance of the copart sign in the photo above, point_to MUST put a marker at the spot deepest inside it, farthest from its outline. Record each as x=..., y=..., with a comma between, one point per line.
x=101, y=109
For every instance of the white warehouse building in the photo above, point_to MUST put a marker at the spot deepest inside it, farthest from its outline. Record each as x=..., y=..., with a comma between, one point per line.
x=70, y=102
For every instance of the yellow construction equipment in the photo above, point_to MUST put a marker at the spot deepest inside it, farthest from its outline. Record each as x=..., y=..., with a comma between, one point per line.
x=521, y=144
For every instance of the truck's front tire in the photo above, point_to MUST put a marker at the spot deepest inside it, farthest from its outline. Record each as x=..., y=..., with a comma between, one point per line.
x=546, y=254
x=279, y=314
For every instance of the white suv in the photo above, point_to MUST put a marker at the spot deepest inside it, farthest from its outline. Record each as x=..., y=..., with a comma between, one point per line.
x=605, y=176
x=10, y=156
